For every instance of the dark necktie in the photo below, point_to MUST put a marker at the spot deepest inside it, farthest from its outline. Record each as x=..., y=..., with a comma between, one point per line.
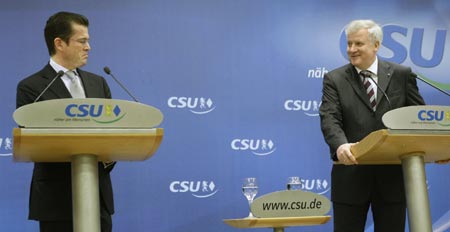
x=365, y=75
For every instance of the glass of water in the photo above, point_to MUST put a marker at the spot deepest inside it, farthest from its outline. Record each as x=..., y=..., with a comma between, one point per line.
x=294, y=183
x=250, y=189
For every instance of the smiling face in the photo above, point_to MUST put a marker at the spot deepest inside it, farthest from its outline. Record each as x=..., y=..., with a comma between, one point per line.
x=73, y=53
x=361, y=50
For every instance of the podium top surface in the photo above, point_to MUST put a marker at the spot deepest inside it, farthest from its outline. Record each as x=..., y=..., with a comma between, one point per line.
x=277, y=222
x=108, y=144
x=389, y=146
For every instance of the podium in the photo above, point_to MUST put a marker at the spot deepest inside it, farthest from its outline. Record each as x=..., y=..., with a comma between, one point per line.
x=416, y=135
x=303, y=209
x=277, y=223
x=85, y=132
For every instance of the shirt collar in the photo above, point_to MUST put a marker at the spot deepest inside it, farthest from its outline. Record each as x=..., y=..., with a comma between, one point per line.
x=372, y=68
x=57, y=67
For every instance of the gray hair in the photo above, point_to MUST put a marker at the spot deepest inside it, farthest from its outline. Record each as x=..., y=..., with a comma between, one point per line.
x=375, y=31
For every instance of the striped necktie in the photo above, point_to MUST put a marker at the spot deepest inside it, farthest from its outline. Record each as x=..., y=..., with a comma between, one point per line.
x=75, y=88
x=365, y=75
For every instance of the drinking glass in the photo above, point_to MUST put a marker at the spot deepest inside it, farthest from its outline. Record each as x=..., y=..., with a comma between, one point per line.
x=250, y=189
x=294, y=183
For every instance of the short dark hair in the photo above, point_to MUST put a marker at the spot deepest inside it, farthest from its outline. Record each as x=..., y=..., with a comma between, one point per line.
x=60, y=25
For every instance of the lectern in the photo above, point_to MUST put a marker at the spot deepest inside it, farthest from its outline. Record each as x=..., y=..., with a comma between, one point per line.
x=85, y=132
x=416, y=135
x=277, y=223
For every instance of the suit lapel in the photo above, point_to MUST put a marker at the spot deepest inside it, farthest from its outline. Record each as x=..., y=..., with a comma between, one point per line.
x=89, y=87
x=356, y=84
x=384, y=78
x=58, y=88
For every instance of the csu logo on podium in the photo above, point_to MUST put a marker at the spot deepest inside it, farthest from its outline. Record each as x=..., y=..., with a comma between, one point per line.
x=199, y=189
x=439, y=116
x=98, y=113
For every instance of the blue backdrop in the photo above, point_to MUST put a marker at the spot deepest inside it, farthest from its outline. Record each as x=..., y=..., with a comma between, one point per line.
x=239, y=83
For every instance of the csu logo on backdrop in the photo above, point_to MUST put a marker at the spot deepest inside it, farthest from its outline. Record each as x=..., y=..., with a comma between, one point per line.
x=309, y=107
x=319, y=186
x=393, y=40
x=259, y=147
x=440, y=117
x=197, y=105
x=6, y=146
x=98, y=113
x=199, y=189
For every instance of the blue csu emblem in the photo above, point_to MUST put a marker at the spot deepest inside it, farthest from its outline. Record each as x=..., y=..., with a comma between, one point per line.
x=98, y=113
x=440, y=117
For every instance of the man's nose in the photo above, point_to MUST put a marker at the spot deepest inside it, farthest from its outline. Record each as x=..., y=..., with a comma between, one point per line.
x=351, y=47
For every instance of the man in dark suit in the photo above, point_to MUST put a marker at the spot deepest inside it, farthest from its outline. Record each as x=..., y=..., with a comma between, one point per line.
x=67, y=38
x=352, y=107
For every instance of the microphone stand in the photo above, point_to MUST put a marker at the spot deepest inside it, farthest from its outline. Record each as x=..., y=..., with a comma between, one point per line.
x=432, y=85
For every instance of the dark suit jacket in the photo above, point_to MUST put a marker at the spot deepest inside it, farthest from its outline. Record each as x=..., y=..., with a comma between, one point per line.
x=51, y=190
x=346, y=117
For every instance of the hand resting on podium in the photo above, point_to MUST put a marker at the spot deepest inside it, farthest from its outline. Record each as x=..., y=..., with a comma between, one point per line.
x=344, y=154
x=443, y=161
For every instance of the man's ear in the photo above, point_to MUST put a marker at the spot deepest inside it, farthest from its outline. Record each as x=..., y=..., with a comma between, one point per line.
x=59, y=43
x=377, y=45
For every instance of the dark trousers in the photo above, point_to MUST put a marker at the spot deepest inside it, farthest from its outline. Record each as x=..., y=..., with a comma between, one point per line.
x=67, y=226
x=386, y=216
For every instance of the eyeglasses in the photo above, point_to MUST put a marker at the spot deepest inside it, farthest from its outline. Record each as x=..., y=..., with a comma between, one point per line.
x=83, y=42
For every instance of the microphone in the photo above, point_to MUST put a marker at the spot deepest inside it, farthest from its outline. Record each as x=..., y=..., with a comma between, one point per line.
x=431, y=84
x=108, y=71
x=382, y=91
x=58, y=75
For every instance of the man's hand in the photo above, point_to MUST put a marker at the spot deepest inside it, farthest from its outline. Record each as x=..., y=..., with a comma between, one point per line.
x=344, y=154
x=443, y=161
